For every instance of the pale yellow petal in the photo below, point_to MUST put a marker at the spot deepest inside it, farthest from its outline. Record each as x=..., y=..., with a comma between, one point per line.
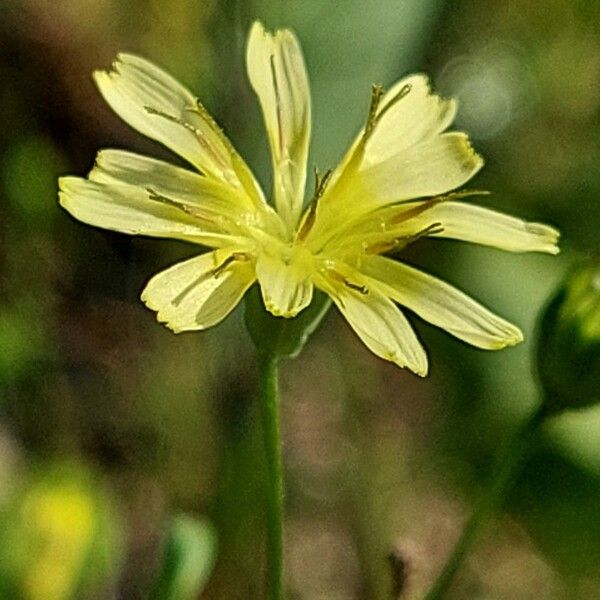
x=437, y=165
x=407, y=114
x=278, y=76
x=441, y=304
x=132, y=210
x=379, y=323
x=459, y=221
x=402, y=156
x=445, y=219
x=285, y=285
x=410, y=114
x=478, y=225
x=157, y=105
x=172, y=183
x=200, y=292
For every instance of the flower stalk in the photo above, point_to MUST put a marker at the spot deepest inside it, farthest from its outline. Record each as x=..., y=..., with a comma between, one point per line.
x=269, y=401
x=506, y=470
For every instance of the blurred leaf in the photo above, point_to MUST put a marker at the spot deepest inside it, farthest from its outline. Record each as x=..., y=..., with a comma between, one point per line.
x=21, y=341
x=31, y=167
x=188, y=559
x=559, y=502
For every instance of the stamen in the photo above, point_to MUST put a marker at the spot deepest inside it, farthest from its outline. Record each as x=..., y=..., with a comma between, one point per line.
x=321, y=183
x=357, y=287
x=463, y=194
x=425, y=205
x=311, y=213
x=433, y=229
x=404, y=91
x=376, y=94
x=188, y=210
x=400, y=243
x=362, y=289
x=411, y=213
x=308, y=222
x=358, y=151
x=375, y=114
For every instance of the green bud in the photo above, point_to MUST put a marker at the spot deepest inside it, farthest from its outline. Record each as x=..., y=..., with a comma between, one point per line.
x=277, y=336
x=568, y=354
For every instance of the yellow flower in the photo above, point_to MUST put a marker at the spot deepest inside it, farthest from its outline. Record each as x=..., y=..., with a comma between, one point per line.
x=394, y=185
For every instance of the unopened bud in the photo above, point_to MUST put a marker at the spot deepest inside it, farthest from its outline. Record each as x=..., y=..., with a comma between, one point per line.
x=568, y=354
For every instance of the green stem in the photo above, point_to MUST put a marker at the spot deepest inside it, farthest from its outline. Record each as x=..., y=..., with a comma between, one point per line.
x=506, y=470
x=269, y=399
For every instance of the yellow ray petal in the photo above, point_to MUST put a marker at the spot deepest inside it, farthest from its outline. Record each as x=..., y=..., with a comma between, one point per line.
x=478, y=225
x=129, y=209
x=171, y=182
x=431, y=167
x=441, y=304
x=278, y=76
x=379, y=323
x=408, y=114
x=284, y=282
x=157, y=105
x=199, y=292
x=444, y=219
x=459, y=221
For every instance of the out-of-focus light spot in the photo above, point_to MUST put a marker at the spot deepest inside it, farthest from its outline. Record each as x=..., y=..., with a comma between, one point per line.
x=493, y=88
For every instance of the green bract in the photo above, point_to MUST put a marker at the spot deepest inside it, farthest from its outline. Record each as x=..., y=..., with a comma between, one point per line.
x=278, y=337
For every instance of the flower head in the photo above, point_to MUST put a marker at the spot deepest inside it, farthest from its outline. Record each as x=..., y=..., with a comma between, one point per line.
x=394, y=185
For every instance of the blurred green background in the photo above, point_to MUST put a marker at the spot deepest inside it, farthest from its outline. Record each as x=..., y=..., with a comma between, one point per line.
x=111, y=426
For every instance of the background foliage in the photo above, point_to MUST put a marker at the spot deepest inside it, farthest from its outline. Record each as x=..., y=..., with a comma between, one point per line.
x=110, y=425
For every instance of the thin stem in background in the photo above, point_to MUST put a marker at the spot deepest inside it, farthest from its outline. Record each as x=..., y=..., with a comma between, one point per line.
x=504, y=474
x=269, y=400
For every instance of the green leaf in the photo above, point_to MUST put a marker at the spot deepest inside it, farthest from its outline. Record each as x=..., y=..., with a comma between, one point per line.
x=188, y=559
x=277, y=336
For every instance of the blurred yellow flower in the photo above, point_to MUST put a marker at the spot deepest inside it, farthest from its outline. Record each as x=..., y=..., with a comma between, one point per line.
x=392, y=187
x=63, y=519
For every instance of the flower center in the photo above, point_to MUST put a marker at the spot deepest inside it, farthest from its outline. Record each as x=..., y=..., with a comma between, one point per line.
x=292, y=257
x=297, y=255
